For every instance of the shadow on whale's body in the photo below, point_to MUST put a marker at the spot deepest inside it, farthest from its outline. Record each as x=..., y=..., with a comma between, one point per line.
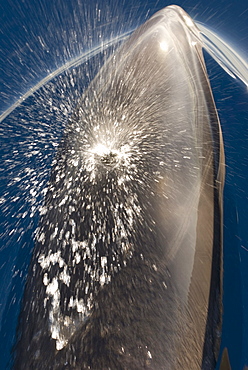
x=126, y=271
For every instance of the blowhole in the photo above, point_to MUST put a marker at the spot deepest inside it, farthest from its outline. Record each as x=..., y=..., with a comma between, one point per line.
x=107, y=157
x=109, y=160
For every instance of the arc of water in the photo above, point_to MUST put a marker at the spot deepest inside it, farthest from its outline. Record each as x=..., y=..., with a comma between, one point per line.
x=223, y=53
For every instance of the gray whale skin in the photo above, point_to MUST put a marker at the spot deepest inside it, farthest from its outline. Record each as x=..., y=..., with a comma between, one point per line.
x=126, y=272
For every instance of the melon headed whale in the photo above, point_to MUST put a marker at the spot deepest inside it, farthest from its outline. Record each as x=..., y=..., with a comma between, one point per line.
x=126, y=272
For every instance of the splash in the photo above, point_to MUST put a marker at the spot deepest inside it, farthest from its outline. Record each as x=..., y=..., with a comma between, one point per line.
x=54, y=98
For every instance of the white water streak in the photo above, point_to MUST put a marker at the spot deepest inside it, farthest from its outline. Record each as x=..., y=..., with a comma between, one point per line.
x=70, y=64
x=224, y=54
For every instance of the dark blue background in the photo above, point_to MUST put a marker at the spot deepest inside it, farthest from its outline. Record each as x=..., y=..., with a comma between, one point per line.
x=27, y=25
